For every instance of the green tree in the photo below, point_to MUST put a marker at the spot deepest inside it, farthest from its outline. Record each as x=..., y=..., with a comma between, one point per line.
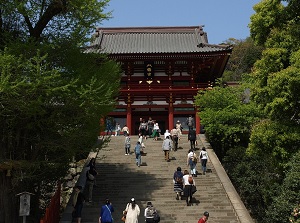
x=226, y=117
x=268, y=14
x=288, y=196
x=275, y=79
x=262, y=171
x=47, y=112
x=244, y=54
x=52, y=94
x=45, y=20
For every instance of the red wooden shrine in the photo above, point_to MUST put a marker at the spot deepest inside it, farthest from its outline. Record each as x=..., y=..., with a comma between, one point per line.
x=163, y=69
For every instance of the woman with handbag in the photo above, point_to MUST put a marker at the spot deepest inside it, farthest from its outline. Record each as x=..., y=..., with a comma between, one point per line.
x=189, y=187
x=156, y=130
x=78, y=200
x=178, y=182
x=132, y=211
x=106, y=212
x=192, y=162
x=203, y=156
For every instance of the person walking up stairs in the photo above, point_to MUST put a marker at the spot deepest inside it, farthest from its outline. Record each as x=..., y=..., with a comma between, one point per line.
x=119, y=179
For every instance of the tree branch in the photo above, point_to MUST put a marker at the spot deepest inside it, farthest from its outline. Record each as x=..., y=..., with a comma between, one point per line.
x=55, y=8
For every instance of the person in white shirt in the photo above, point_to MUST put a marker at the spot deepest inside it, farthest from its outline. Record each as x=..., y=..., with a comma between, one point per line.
x=117, y=130
x=140, y=139
x=156, y=130
x=166, y=147
x=167, y=133
x=125, y=130
x=174, y=136
x=192, y=162
x=127, y=145
x=179, y=128
x=189, y=183
x=133, y=212
x=203, y=156
x=150, y=213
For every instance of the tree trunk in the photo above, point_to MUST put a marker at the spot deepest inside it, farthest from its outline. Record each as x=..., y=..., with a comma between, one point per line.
x=8, y=200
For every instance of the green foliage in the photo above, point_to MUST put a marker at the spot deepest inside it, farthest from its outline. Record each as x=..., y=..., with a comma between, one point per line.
x=295, y=59
x=52, y=95
x=226, y=119
x=268, y=15
x=275, y=88
x=273, y=60
x=283, y=205
x=275, y=140
x=52, y=19
x=51, y=107
x=265, y=169
x=254, y=179
x=58, y=112
x=295, y=215
x=283, y=90
x=243, y=56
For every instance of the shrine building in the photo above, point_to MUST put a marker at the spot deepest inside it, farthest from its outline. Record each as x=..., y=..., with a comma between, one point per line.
x=163, y=68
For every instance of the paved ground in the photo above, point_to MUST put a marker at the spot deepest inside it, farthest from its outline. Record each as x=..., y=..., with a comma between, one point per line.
x=120, y=179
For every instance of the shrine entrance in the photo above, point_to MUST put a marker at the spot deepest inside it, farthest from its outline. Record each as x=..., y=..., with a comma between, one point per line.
x=161, y=117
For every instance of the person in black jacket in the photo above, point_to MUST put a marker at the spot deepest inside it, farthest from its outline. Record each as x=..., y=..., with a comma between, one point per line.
x=92, y=164
x=178, y=182
x=78, y=200
x=90, y=182
x=192, y=138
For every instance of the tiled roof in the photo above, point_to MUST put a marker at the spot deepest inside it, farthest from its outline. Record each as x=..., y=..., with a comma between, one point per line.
x=142, y=40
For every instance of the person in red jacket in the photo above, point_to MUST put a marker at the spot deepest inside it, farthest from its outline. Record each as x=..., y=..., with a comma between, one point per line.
x=204, y=218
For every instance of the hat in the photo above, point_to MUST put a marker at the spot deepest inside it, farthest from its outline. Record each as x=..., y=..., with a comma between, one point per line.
x=206, y=214
x=178, y=121
x=149, y=203
x=132, y=199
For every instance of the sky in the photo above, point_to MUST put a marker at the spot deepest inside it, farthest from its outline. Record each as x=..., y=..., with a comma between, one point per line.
x=222, y=19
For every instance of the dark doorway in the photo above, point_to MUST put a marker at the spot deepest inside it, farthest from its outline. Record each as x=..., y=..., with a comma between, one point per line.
x=160, y=117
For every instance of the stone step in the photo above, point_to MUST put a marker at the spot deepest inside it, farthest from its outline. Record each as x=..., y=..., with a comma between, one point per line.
x=120, y=179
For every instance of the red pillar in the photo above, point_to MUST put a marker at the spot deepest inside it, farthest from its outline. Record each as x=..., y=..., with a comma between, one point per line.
x=197, y=123
x=102, y=126
x=128, y=118
x=171, y=116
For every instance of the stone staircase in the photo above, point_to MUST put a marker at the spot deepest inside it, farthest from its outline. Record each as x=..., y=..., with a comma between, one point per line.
x=120, y=179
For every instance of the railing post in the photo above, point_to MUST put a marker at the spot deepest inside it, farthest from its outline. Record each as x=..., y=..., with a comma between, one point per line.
x=52, y=211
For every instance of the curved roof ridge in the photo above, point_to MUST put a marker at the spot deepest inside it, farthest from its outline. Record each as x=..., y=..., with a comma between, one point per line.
x=151, y=29
x=142, y=40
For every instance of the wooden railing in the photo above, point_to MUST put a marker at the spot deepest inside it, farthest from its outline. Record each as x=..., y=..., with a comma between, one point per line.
x=52, y=213
x=144, y=85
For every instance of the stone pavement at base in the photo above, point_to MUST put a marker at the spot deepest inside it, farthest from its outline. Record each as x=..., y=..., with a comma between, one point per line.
x=120, y=179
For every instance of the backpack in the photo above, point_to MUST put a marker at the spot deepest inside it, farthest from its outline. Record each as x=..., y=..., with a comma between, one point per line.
x=137, y=149
x=178, y=180
x=194, y=158
x=190, y=180
x=150, y=212
x=144, y=126
x=189, y=121
x=156, y=217
x=127, y=142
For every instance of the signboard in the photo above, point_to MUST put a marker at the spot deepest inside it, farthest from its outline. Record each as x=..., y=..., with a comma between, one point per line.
x=24, y=204
x=149, y=69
